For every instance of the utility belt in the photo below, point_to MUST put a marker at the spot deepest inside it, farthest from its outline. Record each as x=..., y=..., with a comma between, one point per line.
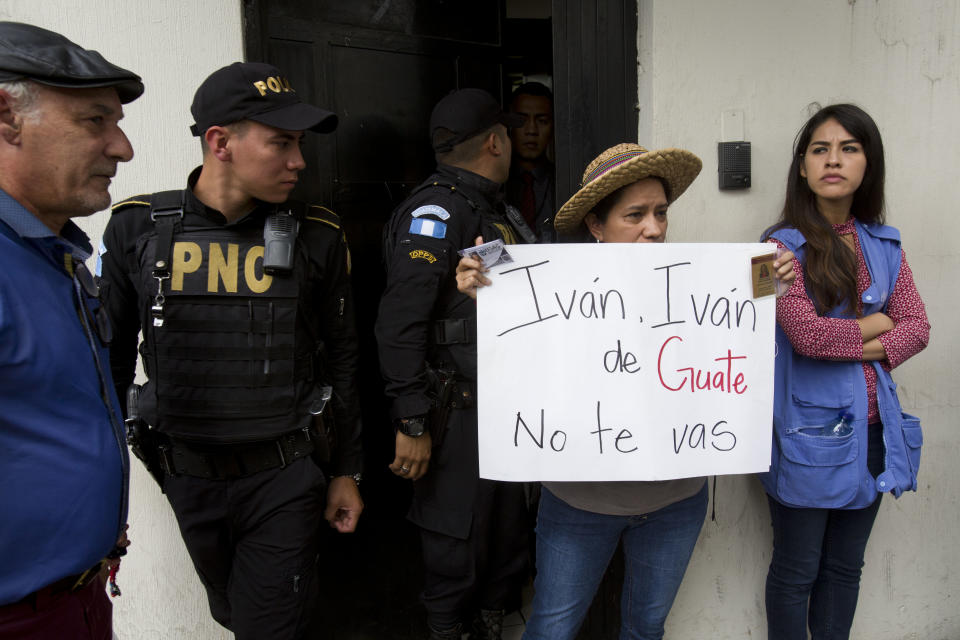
x=165, y=455
x=222, y=461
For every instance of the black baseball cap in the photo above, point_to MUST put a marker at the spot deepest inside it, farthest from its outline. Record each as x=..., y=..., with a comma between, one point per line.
x=466, y=113
x=28, y=52
x=259, y=92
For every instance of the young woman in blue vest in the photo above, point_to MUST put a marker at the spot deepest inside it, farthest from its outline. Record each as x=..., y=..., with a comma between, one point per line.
x=840, y=438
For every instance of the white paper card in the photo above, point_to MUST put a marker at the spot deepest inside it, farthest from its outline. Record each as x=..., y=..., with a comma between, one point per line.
x=490, y=253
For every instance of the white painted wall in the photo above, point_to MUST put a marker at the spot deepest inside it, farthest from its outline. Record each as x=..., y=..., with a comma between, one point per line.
x=173, y=45
x=899, y=60
x=771, y=58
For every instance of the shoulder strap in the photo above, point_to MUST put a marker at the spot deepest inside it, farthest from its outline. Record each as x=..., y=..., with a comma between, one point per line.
x=166, y=214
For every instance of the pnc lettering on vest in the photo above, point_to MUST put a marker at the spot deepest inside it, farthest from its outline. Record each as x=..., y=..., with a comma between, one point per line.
x=221, y=267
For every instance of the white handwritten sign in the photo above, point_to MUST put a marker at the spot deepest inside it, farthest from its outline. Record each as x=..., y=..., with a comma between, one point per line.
x=624, y=362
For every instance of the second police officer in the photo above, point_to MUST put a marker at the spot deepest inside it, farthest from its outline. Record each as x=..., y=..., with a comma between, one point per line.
x=243, y=298
x=472, y=531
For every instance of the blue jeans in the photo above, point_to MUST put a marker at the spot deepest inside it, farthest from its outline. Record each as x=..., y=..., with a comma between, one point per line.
x=574, y=548
x=814, y=575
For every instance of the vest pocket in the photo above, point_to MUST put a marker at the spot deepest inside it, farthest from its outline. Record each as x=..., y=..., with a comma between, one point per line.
x=913, y=436
x=817, y=471
x=820, y=383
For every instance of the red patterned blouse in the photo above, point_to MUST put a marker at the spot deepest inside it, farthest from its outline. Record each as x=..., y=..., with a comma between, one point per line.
x=816, y=336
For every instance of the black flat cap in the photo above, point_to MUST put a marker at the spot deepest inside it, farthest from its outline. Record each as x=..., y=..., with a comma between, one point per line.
x=31, y=53
x=259, y=92
x=466, y=113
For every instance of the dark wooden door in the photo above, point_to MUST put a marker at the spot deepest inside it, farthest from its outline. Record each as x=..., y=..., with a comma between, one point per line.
x=594, y=83
x=381, y=66
x=595, y=107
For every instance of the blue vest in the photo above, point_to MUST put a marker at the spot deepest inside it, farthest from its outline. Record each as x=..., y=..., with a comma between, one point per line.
x=828, y=471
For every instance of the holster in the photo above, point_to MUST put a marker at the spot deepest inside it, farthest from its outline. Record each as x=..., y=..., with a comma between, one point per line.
x=141, y=438
x=447, y=393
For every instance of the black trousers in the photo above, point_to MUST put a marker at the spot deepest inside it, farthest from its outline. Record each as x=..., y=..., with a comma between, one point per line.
x=814, y=575
x=253, y=542
x=484, y=571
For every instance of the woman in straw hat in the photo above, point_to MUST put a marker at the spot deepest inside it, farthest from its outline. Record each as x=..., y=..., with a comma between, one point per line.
x=624, y=198
x=840, y=438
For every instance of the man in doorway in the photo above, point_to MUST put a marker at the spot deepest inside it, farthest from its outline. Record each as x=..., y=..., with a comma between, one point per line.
x=472, y=533
x=63, y=458
x=243, y=298
x=531, y=185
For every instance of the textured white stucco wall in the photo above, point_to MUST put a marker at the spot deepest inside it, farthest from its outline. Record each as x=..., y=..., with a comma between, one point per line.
x=899, y=60
x=173, y=45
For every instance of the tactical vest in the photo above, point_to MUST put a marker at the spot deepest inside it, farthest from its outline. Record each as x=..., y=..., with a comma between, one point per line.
x=227, y=347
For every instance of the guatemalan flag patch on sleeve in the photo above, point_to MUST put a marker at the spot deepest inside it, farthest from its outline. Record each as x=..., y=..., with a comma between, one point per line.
x=429, y=228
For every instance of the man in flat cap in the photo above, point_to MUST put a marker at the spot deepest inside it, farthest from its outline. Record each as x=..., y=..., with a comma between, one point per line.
x=472, y=530
x=243, y=298
x=63, y=458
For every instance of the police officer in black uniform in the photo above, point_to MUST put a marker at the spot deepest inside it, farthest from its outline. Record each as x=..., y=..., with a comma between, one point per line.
x=472, y=532
x=244, y=302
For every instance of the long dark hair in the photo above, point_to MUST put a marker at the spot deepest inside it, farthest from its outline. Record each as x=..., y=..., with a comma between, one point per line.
x=830, y=269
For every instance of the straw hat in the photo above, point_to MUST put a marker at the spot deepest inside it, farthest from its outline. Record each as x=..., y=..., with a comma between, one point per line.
x=622, y=165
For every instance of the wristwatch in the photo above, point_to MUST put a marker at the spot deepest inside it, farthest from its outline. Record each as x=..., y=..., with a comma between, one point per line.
x=414, y=426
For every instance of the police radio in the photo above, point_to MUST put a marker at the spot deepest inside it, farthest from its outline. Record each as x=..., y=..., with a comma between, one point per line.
x=279, y=238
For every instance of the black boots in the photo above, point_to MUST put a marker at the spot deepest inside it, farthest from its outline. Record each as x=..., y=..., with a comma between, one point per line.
x=488, y=625
x=452, y=633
